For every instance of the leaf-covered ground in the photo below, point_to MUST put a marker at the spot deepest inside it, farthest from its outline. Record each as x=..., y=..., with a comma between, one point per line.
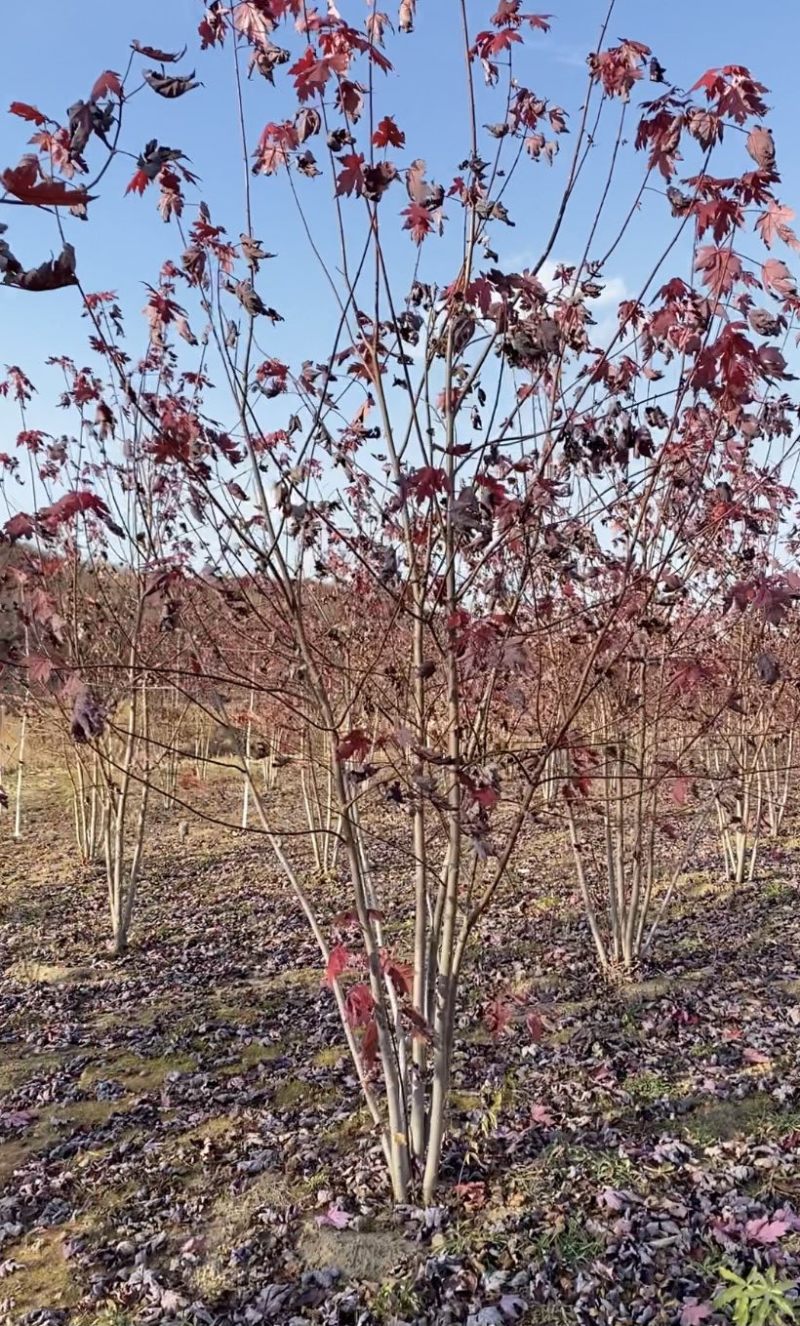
x=182, y=1140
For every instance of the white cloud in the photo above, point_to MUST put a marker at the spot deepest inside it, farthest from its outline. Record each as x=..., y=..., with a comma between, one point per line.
x=614, y=290
x=614, y=287
x=574, y=56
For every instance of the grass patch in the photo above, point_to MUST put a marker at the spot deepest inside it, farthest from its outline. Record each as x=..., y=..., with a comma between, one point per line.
x=562, y=1037
x=231, y=1218
x=291, y=978
x=343, y=1134
x=29, y=971
x=570, y=1243
x=106, y=1205
x=723, y=1120
x=44, y=1278
x=690, y=944
x=109, y=1316
x=137, y=1073
x=548, y=902
x=645, y=1088
x=87, y=1112
x=465, y=1100
x=217, y=1127
x=19, y=1150
x=656, y=988
x=541, y=1314
x=296, y=1091
x=330, y=1056
x=396, y=1299
x=251, y=1055
x=602, y=1166
x=239, y=1015
x=306, y=1188
x=360, y=1255
x=15, y=1072
x=546, y=982
x=49, y=1128
x=777, y=890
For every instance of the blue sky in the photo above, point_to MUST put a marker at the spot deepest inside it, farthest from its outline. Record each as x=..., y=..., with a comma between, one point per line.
x=53, y=50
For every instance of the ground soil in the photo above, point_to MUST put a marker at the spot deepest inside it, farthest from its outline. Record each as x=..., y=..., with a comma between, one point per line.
x=177, y=1126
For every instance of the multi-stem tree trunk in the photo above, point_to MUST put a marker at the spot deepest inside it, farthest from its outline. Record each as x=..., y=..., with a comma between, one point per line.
x=21, y=753
x=88, y=804
x=775, y=775
x=127, y=793
x=629, y=825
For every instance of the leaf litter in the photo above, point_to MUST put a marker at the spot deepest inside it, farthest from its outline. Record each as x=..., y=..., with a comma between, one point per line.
x=182, y=1138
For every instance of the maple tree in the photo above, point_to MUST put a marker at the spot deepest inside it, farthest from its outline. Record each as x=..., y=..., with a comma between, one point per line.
x=480, y=556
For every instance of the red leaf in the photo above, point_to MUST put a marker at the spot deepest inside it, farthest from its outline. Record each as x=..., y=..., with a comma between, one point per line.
x=351, y=178
x=138, y=183
x=720, y=267
x=335, y=1217
x=350, y=99
x=154, y=53
x=418, y=221
x=619, y=67
x=711, y=83
x=541, y=1116
x=359, y=1005
x=737, y=94
x=496, y=1016
x=255, y=19
x=338, y=959
x=680, y=790
x=507, y=12
x=21, y=181
x=487, y=797
x=310, y=73
x=721, y=216
x=401, y=974
x=87, y=717
x=427, y=481
x=753, y=1056
x=777, y=278
x=535, y=1026
x=274, y=146
x=662, y=134
x=472, y=1194
x=26, y=112
x=387, y=134
x=369, y=1043
x=213, y=27
x=53, y=274
x=775, y=223
x=69, y=506
x=766, y=1230
x=108, y=84
x=488, y=44
x=355, y=745
x=40, y=669
x=19, y=527
x=708, y=81
x=406, y=16
x=694, y=1312
x=420, y=1027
